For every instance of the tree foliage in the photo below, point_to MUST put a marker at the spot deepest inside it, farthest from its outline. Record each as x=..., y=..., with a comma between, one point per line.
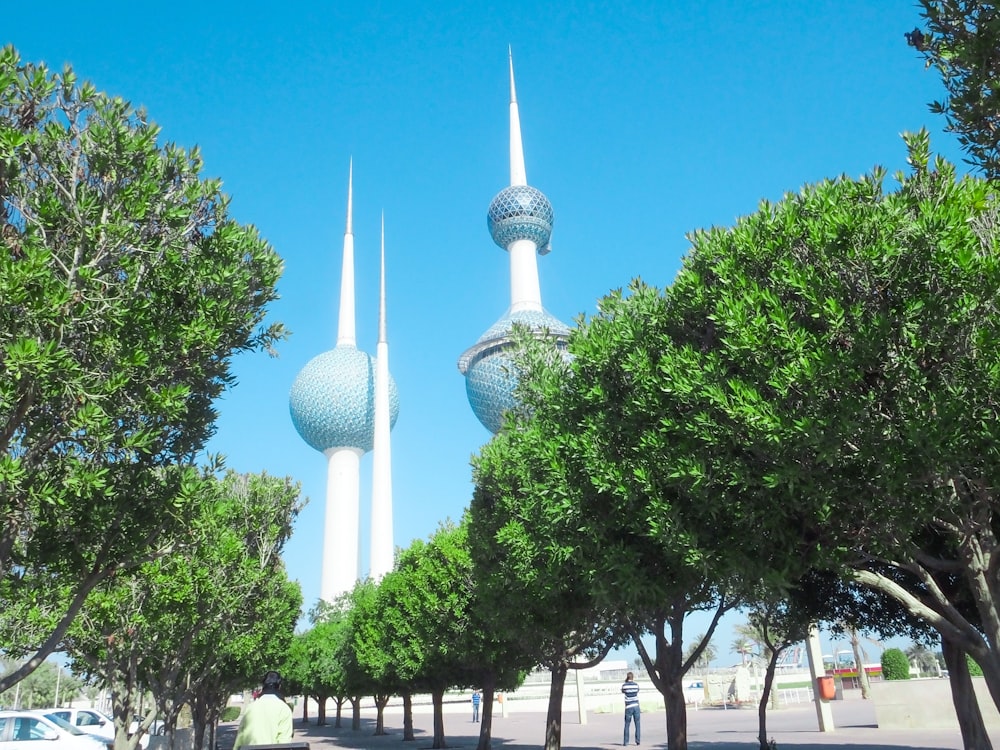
x=204, y=621
x=126, y=289
x=895, y=665
x=823, y=373
x=961, y=39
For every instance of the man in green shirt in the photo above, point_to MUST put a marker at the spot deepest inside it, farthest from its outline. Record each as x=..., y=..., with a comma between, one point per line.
x=268, y=720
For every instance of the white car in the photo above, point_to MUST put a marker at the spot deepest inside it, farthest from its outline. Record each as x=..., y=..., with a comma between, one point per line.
x=88, y=720
x=694, y=692
x=18, y=728
x=157, y=727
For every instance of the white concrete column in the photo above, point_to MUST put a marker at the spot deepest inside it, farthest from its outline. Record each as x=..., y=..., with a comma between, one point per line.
x=340, y=527
x=525, y=292
x=382, y=548
x=824, y=714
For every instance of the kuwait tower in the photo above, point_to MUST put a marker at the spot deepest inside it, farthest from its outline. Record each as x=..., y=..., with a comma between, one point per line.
x=520, y=221
x=336, y=406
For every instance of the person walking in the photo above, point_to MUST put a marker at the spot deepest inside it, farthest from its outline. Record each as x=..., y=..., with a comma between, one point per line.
x=476, y=698
x=268, y=720
x=630, y=689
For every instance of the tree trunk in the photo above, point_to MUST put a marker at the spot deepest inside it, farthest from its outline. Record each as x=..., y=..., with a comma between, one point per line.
x=486, y=713
x=339, y=700
x=765, y=694
x=863, y=681
x=321, y=711
x=305, y=708
x=381, y=699
x=970, y=718
x=438, y=698
x=408, y=717
x=673, y=704
x=553, y=720
x=355, y=712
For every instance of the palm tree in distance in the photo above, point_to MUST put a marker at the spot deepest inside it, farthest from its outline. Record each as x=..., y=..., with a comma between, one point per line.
x=742, y=646
x=708, y=654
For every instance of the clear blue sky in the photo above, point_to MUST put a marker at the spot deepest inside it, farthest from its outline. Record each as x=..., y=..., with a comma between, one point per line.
x=641, y=121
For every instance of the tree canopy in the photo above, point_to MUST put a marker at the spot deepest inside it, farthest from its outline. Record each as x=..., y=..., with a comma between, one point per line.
x=961, y=39
x=127, y=288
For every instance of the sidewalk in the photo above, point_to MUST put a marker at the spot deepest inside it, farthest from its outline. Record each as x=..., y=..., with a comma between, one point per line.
x=708, y=729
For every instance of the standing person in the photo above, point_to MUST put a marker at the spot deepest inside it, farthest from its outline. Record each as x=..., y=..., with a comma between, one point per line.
x=268, y=720
x=476, y=698
x=631, y=691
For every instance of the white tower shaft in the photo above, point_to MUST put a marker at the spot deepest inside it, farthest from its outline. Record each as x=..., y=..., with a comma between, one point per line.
x=340, y=532
x=346, y=327
x=525, y=291
x=382, y=549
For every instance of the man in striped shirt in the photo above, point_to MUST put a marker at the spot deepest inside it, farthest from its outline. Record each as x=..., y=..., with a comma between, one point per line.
x=631, y=691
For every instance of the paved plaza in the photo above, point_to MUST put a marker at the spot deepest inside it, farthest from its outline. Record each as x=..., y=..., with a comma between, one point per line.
x=708, y=729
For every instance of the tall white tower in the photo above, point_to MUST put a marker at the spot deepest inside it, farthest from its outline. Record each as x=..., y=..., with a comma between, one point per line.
x=332, y=405
x=520, y=221
x=381, y=527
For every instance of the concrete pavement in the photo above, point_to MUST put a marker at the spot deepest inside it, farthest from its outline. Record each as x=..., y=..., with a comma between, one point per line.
x=708, y=729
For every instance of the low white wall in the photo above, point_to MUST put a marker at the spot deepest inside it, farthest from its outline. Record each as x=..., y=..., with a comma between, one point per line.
x=926, y=704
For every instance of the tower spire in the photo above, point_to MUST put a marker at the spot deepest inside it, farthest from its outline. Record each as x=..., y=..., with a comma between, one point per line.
x=346, y=335
x=518, y=176
x=382, y=548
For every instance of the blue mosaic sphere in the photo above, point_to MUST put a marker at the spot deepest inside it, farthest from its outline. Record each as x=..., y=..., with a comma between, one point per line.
x=520, y=212
x=489, y=369
x=332, y=401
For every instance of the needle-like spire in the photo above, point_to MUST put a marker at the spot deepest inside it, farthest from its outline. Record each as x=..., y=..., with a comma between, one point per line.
x=381, y=299
x=518, y=176
x=346, y=335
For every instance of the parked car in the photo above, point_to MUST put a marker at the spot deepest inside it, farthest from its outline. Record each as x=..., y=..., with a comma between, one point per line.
x=157, y=727
x=694, y=692
x=89, y=720
x=17, y=728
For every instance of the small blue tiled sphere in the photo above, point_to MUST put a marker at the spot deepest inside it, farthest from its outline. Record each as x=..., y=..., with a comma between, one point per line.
x=520, y=212
x=332, y=401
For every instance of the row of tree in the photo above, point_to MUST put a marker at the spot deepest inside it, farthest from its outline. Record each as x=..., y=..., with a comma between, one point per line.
x=803, y=424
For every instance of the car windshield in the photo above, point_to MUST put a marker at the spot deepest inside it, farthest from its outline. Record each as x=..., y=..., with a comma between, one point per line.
x=63, y=724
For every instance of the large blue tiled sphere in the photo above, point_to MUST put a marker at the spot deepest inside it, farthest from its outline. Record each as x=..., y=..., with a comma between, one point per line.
x=490, y=383
x=332, y=401
x=490, y=372
x=520, y=212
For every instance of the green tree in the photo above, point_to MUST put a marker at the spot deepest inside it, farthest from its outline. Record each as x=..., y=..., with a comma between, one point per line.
x=49, y=685
x=824, y=372
x=126, y=290
x=433, y=613
x=895, y=665
x=315, y=664
x=531, y=584
x=205, y=620
x=961, y=39
x=774, y=624
x=621, y=524
x=373, y=644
